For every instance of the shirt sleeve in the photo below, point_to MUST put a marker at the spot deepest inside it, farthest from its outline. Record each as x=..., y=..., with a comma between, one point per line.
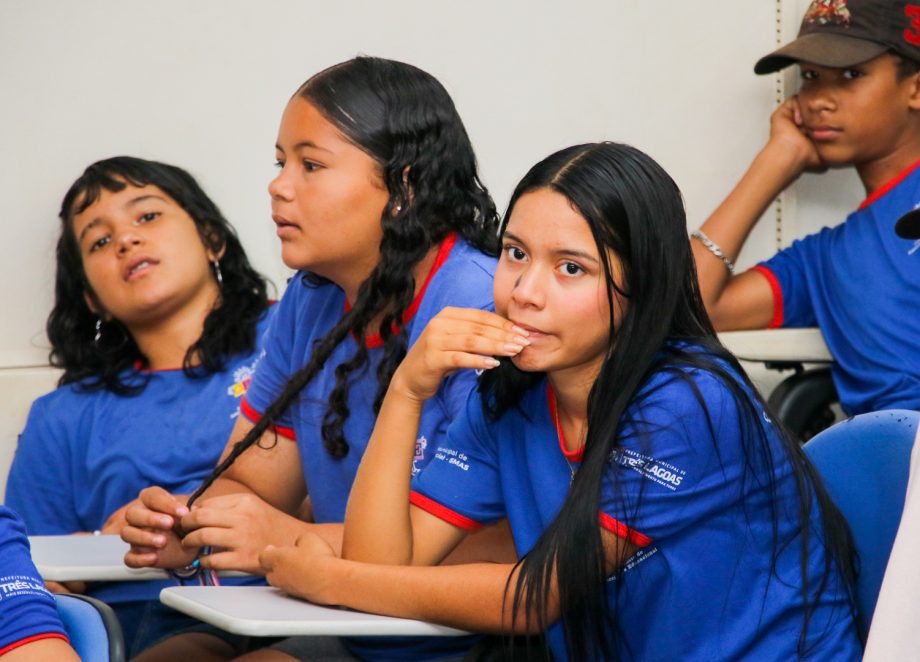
x=275, y=363
x=679, y=463
x=27, y=611
x=788, y=273
x=40, y=486
x=461, y=483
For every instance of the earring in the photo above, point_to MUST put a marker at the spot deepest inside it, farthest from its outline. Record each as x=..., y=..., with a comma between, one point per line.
x=98, y=335
x=397, y=208
x=219, y=276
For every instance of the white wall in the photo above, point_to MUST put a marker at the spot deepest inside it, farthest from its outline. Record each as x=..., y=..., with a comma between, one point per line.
x=202, y=84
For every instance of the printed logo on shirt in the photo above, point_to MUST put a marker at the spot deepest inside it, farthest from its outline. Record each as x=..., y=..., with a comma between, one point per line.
x=648, y=467
x=641, y=555
x=13, y=586
x=451, y=456
x=420, y=445
x=242, y=376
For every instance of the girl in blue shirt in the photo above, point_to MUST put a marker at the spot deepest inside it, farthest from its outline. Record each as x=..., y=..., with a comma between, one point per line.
x=378, y=204
x=658, y=513
x=156, y=319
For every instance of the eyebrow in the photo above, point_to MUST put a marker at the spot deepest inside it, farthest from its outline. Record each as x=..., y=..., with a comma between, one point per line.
x=304, y=144
x=130, y=203
x=570, y=252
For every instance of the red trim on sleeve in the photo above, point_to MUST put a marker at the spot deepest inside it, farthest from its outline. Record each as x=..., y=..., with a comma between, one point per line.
x=374, y=340
x=887, y=186
x=35, y=637
x=572, y=456
x=777, y=320
x=444, y=513
x=254, y=416
x=623, y=531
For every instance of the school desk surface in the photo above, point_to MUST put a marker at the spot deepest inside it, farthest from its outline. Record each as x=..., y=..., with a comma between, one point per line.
x=763, y=345
x=267, y=611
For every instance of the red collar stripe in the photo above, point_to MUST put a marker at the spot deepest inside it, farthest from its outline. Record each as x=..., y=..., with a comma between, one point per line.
x=570, y=456
x=374, y=340
x=886, y=187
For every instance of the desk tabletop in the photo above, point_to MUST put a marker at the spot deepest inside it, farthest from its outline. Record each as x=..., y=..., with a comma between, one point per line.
x=265, y=611
x=762, y=345
x=86, y=558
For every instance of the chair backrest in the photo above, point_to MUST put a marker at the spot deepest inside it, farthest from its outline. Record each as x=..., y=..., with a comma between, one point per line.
x=864, y=462
x=92, y=627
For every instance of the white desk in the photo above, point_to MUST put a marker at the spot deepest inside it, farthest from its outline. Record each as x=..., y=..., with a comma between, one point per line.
x=86, y=558
x=767, y=345
x=265, y=611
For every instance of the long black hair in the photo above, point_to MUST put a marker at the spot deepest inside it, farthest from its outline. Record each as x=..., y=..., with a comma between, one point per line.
x=229, y=328
x=634, y=210
x=406, y=121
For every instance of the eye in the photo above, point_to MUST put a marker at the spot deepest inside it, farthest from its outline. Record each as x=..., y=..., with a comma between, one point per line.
x=809, y=74
x=852, y=74
x=99, y=243
x=149, y=216
x=279, y=163
x=571, y=269
x=311, y=166
x=515, y=254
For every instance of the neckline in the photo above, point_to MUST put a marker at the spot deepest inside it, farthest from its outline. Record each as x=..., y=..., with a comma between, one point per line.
x=570, y=456
x=374, y=340
x=889, y=185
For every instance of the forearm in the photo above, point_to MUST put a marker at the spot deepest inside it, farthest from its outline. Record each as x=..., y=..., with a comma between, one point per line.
x=731, y=223
x=378, y=528
x=468, y=597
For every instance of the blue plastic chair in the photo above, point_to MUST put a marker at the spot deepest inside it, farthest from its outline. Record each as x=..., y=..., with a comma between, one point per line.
x=864, y=462
x=92, y=627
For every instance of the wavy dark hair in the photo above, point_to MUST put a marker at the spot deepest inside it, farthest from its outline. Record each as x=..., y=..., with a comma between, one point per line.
x=634, y=209
x=406, y=121
x=230, y=328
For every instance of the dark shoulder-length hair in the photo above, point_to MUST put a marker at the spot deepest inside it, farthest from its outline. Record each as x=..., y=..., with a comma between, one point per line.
x=634, y=210
x=230, y=328
x=406, y=121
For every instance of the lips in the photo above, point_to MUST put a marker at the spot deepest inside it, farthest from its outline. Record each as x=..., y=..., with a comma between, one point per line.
x=284, y=224
x=138, y=266
x=533, y=331
x=823, y=133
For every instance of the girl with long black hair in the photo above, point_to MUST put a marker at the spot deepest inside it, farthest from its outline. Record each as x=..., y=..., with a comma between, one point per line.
x=659, y=513
x=157, y=313
x=379, y=206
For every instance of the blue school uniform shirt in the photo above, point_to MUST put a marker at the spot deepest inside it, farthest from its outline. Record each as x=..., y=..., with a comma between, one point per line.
x=27, y=611
x=697, y=588
x=85, y=454
x=860, y=283
x=461, y=277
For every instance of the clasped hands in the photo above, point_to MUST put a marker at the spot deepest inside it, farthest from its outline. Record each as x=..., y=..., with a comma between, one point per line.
x=164, y=533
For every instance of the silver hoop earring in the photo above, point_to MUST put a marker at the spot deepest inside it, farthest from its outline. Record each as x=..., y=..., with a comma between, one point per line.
x=219, y=276
x=98, y=335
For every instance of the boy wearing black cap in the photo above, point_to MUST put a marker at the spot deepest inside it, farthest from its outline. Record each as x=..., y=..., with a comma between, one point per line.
x=859, y=105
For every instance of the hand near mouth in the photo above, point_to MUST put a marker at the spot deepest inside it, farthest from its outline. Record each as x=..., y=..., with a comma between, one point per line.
x=790, y=138
x=456, y=338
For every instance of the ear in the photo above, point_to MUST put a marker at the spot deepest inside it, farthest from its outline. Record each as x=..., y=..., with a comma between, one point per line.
x=210, y=238
x=95, y=307
x=913, y=99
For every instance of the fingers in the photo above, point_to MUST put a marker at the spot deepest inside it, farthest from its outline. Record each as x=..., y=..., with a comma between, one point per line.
x=159, y=500
x=153, y=539
x=213, y=537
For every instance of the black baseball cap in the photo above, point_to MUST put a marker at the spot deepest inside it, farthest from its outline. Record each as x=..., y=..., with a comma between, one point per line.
x=842, y=33
x=908, y=226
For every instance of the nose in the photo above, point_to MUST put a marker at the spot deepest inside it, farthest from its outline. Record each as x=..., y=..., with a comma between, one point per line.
x=820, y=98
x=279, y=188
x=127, y=239
x=528, y=290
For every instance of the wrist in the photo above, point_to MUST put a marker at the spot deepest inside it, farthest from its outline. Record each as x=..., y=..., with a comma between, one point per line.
x=400, y=389
x=788, y=158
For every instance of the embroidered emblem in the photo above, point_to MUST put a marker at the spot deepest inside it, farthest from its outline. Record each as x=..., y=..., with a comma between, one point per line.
x=420, y=445
x=823, y=12
x=241, y=378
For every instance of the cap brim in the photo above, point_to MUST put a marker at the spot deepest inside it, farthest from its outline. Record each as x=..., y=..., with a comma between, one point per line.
x=908, y=226
x=823, y=49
